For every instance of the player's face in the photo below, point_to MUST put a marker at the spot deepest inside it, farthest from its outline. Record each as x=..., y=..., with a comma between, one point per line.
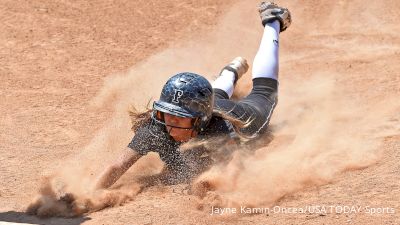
x=179, y=134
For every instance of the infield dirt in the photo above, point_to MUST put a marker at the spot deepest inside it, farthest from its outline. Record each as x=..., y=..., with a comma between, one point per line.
x=70, y=71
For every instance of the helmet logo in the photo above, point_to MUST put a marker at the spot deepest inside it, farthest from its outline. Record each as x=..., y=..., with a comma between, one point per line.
x=178, y=94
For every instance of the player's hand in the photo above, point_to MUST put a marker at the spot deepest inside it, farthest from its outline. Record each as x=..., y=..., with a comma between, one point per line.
x=51, y=205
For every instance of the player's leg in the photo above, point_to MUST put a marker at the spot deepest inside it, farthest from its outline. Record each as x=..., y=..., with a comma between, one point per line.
x=262, y=100
x=251, y=115
x=263, y=96
x=225, y=83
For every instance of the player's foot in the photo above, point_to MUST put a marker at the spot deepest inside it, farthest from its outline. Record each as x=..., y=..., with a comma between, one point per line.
x=269, y=12
x=238, y=66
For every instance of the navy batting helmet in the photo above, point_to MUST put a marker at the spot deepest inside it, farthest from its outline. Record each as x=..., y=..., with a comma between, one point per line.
x=187, y=95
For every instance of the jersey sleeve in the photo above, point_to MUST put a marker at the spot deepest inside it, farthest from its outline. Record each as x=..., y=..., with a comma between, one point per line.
x=152, y=138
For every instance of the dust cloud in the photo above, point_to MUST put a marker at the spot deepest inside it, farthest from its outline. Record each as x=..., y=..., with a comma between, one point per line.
x=319, y=132
x=72, y=200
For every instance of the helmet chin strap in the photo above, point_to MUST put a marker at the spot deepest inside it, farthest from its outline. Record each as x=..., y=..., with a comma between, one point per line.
x=193, y=131
x=159, y=117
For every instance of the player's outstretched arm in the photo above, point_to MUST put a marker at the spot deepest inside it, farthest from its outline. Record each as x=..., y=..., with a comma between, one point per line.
x=114, y=171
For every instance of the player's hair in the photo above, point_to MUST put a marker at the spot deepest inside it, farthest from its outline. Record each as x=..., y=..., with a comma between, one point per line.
x=139, y=118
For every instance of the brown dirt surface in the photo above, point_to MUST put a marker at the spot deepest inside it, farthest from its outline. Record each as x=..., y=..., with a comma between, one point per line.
x=70, y=69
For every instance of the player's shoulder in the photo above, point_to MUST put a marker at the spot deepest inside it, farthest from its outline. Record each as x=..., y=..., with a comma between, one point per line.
x=218, y=126
x=152, y=137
